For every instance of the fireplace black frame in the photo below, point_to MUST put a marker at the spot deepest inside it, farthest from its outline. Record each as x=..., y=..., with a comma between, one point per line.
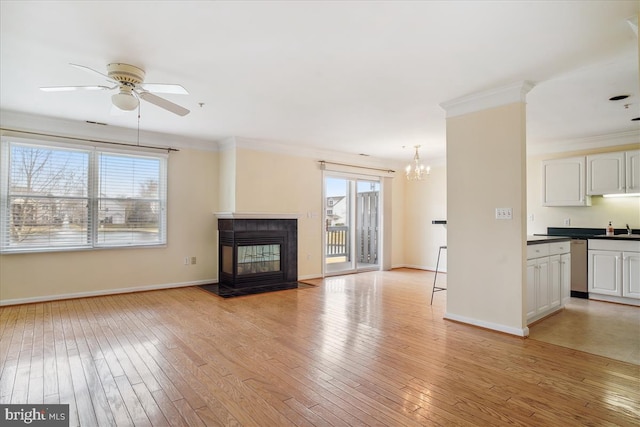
x=233, y=233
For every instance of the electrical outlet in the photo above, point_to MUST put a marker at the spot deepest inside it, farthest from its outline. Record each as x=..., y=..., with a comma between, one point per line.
x=193, y=260
x=530, y=217
x=567, y=222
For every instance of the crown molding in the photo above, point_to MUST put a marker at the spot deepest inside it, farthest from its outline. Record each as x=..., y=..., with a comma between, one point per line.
x=585, y=143
x=293, y=149
x=491, y=98
x=59, y=127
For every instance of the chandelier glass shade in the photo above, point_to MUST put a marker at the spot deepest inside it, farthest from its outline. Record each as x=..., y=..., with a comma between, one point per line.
x=416, y=170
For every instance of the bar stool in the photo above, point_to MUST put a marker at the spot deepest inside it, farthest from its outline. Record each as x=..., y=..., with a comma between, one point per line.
x=436, y=288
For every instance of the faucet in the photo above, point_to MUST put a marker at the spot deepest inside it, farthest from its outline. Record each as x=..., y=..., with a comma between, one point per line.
x=628, y=230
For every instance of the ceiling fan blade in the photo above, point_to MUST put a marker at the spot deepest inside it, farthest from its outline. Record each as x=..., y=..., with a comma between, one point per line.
x=71, y=88
x=94, y=72
x=163, y=103
x=163, y=88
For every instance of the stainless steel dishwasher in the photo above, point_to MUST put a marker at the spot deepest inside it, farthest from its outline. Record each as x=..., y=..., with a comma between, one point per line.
x=579, y=259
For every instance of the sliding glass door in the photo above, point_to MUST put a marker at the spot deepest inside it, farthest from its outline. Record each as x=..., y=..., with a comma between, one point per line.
x=352, y=224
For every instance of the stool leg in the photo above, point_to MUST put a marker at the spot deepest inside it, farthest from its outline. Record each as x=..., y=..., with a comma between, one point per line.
x=435, y=276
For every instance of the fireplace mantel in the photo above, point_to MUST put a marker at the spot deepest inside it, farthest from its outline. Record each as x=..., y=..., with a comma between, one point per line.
x=256, y=215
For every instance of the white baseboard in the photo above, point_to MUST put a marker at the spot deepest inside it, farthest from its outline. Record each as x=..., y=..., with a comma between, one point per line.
x=309, y=277
x=419, y=267
x=610, y=298
x=521, y=332
x=45, y=298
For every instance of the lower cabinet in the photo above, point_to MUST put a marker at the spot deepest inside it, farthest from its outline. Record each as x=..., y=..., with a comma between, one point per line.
x=605, y=268
x=548, y=278
x=614, y=270
x=565, y=277
x=631, y=275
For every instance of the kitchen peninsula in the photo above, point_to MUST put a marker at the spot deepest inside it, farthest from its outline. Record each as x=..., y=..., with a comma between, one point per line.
x=548, y=275
x=609, y=265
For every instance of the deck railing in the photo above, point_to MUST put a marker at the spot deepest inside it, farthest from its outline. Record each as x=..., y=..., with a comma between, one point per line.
x=337, y=241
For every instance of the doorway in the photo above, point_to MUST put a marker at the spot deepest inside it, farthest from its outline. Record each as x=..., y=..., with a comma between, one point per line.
x=352, y=224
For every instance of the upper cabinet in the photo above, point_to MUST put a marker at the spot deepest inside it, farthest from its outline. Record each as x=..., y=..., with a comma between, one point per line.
x=563, y=182
x=613, y=173
x=633, y=171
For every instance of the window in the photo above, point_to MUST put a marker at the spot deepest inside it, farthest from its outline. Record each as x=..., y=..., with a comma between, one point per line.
x=61, y=197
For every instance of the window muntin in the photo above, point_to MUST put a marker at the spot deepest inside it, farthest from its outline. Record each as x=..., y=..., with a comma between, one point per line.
x=68, y=197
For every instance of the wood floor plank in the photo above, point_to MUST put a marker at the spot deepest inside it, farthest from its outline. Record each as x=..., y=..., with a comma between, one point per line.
x=135, y=408
x=364, y=349
x=151, y=408
x=188, y=413
x=168, y=409
x=99, y=400
x=112, y=393
x=66, y=393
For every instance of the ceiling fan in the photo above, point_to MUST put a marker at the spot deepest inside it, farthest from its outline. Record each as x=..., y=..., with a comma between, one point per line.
x=129, y=80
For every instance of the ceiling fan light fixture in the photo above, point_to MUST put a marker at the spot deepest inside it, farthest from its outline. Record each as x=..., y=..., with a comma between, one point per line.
x=125, y=101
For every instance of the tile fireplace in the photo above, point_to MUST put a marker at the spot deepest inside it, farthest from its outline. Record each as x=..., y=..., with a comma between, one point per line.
x=257, y=254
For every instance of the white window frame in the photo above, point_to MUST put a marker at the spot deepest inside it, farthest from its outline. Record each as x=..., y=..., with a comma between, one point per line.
x=93, y=184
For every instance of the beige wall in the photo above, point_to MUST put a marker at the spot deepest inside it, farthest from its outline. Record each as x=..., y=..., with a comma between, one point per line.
x=191, y=231
x=486, y=170
x=200, y=183
x=273, y=182
x=269, y=182
x=619, y=211
x=243, y=180
x=424, y=202
x=396, y=232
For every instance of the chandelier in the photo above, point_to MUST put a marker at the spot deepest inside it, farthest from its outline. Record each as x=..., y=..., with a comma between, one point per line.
x=417, y=171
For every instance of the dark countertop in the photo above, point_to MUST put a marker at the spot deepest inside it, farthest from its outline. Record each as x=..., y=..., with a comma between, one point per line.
x=623, y=237
x=537, y=239
x=592, y=233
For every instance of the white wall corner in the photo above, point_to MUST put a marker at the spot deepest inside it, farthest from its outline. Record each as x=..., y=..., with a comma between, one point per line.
x=515, y=92
x=228, y=143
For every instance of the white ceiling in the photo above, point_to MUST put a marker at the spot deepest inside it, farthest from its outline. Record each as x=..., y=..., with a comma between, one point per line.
x=355, y=77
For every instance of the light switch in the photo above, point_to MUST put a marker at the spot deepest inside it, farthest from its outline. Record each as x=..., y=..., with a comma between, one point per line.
x=504, y=213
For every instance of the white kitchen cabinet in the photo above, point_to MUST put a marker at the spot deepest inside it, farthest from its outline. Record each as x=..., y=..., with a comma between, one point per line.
x=613, y=173
x=631, y=275
x=605, y=268
x=538, y=292
x=632, y=165
x=563, y=182
x=565, y=277
x=532, y=285
x=614, y=270
x=548, y=278
x=555, y=278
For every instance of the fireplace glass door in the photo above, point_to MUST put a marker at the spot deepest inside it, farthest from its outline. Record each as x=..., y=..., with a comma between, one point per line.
x=352, y=224
x=258, y=259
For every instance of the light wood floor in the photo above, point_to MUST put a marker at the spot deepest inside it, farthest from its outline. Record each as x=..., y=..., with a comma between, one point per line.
x=364, y=349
